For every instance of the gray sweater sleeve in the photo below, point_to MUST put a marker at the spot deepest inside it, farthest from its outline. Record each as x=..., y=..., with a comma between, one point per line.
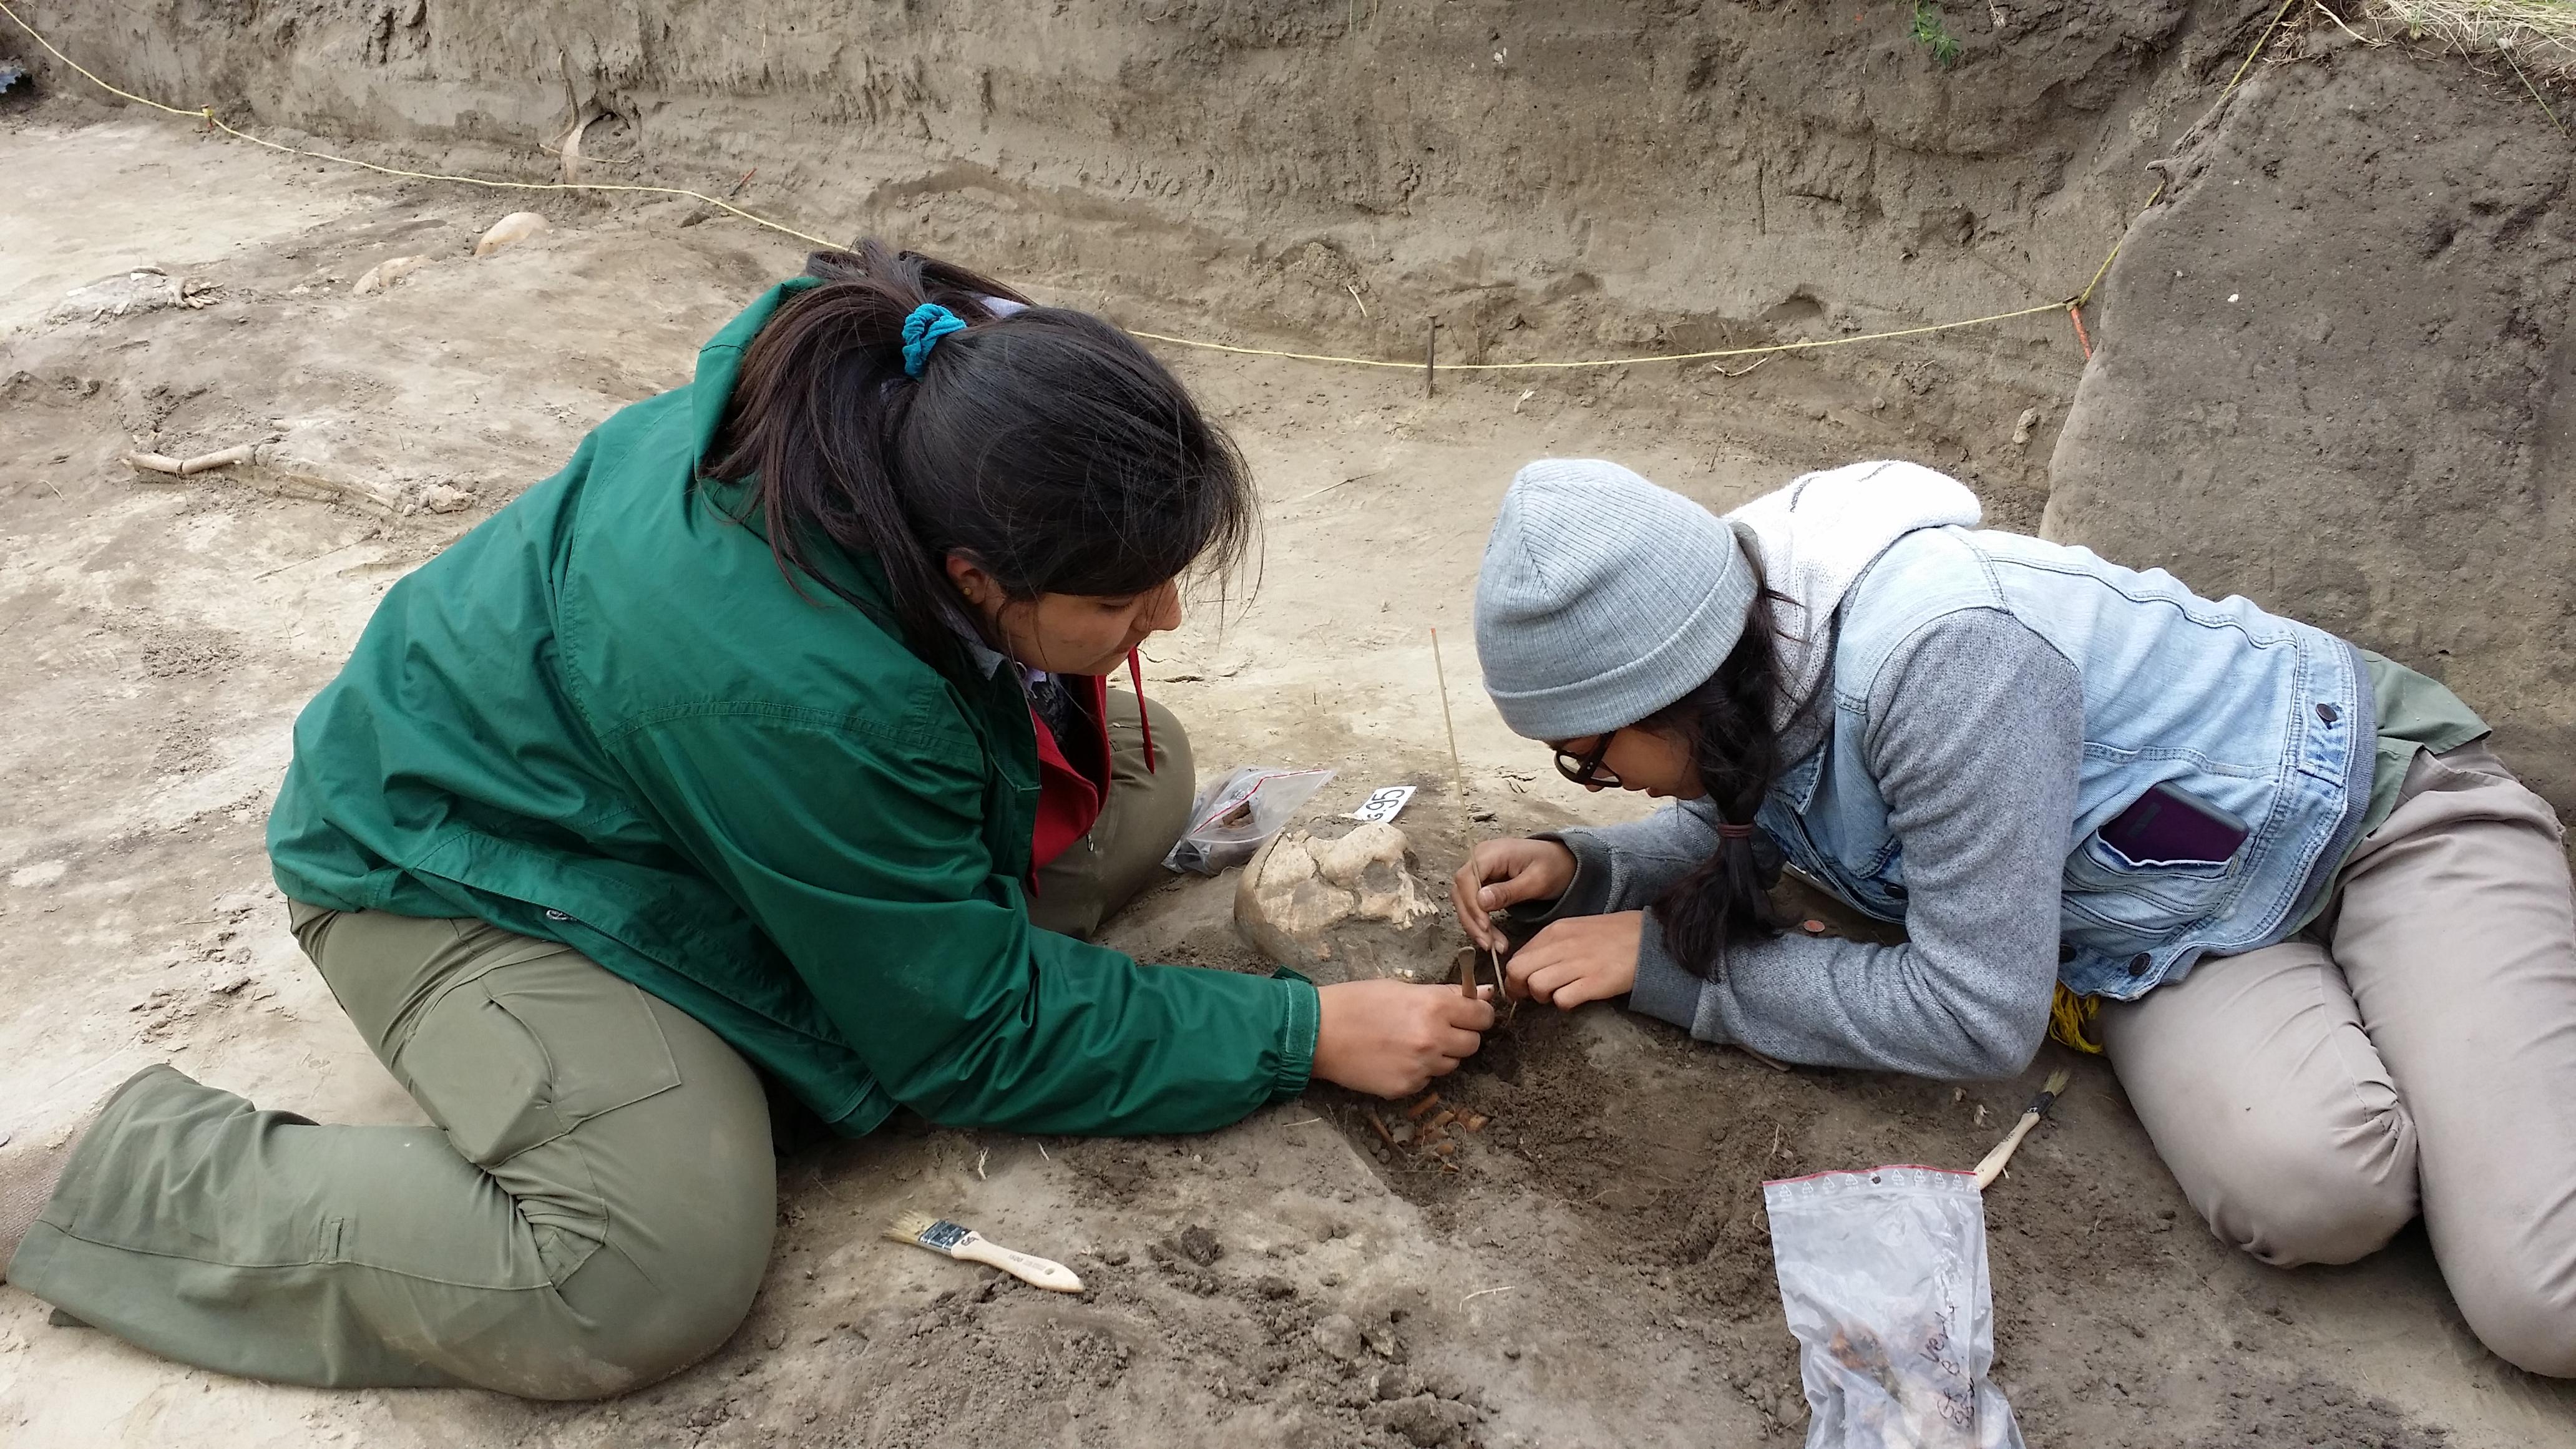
x=1976, y=739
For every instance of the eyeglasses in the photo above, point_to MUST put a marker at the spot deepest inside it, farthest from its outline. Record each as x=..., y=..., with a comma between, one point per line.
x=1586, y=769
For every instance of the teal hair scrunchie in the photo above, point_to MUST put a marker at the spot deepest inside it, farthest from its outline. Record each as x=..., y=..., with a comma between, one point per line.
x=922, y=330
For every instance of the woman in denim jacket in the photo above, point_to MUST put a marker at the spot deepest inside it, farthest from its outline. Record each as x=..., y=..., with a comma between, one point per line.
x=2324, y=929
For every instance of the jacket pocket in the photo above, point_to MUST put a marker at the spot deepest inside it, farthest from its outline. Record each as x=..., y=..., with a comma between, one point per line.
x=2106, y=887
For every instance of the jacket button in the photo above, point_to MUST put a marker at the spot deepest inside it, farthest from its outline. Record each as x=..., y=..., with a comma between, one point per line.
x=2138, y=964
x=2329, y=713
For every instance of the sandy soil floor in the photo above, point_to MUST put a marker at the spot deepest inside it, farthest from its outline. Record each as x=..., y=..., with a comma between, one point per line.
x=1595, y=1272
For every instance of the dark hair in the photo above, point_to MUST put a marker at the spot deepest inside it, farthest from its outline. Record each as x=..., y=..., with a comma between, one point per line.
x=1735, y=749
x=1045, y=444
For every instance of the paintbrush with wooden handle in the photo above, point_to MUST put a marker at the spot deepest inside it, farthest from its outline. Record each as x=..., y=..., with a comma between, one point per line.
x=955, y=1240
x=1993, y=1166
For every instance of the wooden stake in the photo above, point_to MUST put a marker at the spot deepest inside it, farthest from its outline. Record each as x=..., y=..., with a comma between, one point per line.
x=1457, y=772
x=1430, y=353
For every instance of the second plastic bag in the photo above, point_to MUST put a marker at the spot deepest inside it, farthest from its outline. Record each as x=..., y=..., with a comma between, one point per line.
x=1232, y=817
x=1883, y=1275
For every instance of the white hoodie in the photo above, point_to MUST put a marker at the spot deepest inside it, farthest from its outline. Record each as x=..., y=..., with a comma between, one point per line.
x=1814, y=539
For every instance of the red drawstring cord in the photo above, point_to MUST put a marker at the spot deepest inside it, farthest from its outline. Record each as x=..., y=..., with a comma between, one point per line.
x=1136, y=676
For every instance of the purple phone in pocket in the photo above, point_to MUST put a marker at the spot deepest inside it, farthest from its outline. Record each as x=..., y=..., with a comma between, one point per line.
x=2167, y=825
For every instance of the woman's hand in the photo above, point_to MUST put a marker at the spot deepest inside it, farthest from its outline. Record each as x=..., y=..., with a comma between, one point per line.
x=1584, y=958
x=1390, y=1038
x=1501, y=873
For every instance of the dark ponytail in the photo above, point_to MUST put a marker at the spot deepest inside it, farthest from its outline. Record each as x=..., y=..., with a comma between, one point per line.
x=1043, y=443
x=1735, y=749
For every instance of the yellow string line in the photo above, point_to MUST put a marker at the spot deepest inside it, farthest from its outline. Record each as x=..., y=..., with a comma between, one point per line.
x=213, y=120
x=208, y=116
x=2242, y=67
x=85, y=72
x=2259, y=42
x=1611, y=361
x=2535, y=90
x=2104, y=270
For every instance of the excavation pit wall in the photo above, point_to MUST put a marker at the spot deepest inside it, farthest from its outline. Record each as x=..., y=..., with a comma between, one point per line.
x=2374, y=435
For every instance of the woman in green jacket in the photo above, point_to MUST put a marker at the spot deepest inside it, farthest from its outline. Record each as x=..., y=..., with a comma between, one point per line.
x=760, y=752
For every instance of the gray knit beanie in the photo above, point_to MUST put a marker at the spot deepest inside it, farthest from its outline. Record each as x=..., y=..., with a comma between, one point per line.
x=1603, y=598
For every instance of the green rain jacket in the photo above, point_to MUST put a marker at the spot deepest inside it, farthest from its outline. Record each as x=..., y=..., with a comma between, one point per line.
x=605, y=718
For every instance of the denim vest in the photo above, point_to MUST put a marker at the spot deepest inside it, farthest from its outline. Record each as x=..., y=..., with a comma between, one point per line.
x=2262, y=716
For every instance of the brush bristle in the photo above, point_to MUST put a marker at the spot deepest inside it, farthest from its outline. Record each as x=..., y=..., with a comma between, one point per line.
x=911, y=1227
x=2057, y=1081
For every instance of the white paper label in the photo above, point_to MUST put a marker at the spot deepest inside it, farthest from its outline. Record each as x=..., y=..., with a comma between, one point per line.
x=1383, y=805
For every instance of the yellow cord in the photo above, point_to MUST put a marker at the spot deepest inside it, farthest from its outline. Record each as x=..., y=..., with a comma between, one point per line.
x=2072, y=1018
x=2535, y=90
x=1608, y=361
x=2104, y=270
x=208, y=116
x=2242, y=67
x=2259, y=42
x=718, y=203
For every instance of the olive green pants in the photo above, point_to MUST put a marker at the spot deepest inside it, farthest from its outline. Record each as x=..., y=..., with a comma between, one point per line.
x=591, y=1211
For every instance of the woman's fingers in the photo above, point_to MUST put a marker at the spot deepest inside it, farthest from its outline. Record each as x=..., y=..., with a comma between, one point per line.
x=1388, y=1037
x=1561, y=967
x=1465, y=889
x=1504, y=873
x=1472, y=1016
x=1593, y=986
x=1485, y=884
x=1546, y=982
x=1449, y=1027
x=1522, y=877
x=1540, y=984
x=1540, y=952
x=1462, y=1022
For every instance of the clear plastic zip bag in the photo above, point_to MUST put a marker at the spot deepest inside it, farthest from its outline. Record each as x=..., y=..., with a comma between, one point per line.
x=1232, y=816
x=1883, y=1276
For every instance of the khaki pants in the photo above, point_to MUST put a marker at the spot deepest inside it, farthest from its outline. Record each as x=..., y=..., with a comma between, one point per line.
x=1144, y=814
x=591, y=1211
x=2415, y=1051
